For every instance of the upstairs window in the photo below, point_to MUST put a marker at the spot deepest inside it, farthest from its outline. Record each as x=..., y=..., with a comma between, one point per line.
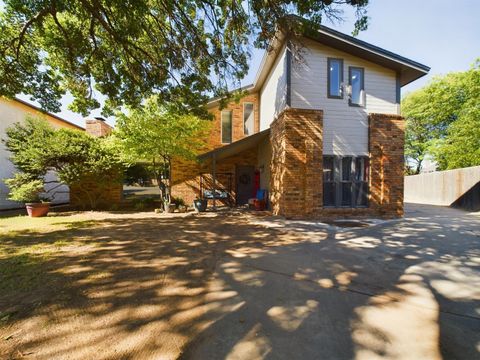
x=248, y=119
x=226, y=128
x=356, y=82
x=335, y=78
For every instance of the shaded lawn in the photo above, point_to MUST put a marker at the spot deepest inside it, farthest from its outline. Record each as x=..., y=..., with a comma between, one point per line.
x=73, y=284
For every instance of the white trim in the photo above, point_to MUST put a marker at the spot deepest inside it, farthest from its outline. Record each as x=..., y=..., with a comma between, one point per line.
x=221, y=126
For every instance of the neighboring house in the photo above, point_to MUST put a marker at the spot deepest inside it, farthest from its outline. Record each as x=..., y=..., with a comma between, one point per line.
x=321, y=132
x=13, y=111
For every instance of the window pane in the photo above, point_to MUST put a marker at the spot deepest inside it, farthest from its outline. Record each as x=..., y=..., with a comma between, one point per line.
x=328, y=168
x=329, y=194
x=248, y=118
x=346, y=194
x=226, y=127
x=335, y=77
x=346, y=169
x=356, y=82
x=361, y=194
x=360, y=169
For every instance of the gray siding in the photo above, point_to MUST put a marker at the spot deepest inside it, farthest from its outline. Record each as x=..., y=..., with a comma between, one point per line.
x=345, y=127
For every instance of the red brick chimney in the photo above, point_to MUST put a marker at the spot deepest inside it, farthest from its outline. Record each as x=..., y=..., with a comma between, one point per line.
x=97, y=127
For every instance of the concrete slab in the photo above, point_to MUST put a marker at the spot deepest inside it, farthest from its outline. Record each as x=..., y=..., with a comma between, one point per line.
x=404, y=289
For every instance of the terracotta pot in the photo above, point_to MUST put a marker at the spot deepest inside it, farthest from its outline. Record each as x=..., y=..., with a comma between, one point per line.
x=37, y=209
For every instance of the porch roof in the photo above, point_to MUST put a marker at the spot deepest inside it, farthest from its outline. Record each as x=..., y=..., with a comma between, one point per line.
x=235, y=147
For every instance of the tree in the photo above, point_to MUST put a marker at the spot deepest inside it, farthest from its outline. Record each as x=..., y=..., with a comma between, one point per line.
x=442, y=121
x=37, y=148
x=181, y=50
x=156, y=134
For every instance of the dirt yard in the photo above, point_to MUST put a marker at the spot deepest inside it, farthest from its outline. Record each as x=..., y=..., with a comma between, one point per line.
x=237, y=286
x=114, y=286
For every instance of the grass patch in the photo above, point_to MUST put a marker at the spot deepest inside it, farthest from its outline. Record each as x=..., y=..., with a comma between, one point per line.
x=28, y=245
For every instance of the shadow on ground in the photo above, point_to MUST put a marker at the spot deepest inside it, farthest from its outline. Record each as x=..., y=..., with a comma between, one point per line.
x=219, y=287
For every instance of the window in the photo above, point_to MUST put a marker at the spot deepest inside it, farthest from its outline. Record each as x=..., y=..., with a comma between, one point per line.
x=356, y=82
x=248, y=119
x=345, y=181
x=335, y=78
x=226, y=126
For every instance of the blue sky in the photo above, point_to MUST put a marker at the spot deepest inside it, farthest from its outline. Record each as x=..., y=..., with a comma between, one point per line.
x=442, y=34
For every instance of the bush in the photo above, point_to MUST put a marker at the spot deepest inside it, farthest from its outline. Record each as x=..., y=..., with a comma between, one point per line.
x=24, y=189
x=178, y=201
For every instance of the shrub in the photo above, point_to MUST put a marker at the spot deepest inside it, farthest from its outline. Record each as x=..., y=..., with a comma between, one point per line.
x=24, y=189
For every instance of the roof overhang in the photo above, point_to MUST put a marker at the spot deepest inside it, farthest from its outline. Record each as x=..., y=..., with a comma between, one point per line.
x=408, y=70
x=235, y=147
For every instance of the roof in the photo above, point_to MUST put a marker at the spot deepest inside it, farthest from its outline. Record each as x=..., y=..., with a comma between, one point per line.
x=236, y=147
x=47, y=113
x=408, y=70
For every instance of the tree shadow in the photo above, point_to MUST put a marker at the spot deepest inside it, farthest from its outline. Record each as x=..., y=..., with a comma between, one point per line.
x=217, y=287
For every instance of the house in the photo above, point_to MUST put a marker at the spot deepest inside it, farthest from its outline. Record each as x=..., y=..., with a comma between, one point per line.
x=13, y=111
x=16, y=111
x=322, y=132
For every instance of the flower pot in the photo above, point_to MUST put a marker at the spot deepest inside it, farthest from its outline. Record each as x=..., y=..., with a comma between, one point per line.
x=200, y=205
x=37, y=209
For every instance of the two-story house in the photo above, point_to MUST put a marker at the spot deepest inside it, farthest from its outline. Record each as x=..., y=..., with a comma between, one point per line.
x=320, y=131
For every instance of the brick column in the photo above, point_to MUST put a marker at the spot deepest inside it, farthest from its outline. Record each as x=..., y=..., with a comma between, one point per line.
x=296, y=167
x=386, y=139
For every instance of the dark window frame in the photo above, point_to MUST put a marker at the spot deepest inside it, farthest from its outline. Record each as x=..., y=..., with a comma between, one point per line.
x=363, y=101
x=329, y=61
x=355, y=183
x=231, y=126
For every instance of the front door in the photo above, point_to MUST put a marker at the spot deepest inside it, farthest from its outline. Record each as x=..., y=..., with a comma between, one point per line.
x=245, y=183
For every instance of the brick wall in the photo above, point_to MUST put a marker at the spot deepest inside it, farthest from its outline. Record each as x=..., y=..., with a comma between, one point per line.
x=97, y=127
x=186, y=174
x=386, y=138
x=91, y=193
x=296, y=166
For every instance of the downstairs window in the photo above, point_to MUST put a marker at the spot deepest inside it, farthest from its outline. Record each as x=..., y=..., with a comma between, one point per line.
x=345, y=181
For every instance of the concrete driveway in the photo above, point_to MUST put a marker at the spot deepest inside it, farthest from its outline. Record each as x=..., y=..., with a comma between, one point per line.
x=403, y=289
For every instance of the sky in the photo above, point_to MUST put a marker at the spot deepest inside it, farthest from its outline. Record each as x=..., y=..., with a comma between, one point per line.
x=442, y=34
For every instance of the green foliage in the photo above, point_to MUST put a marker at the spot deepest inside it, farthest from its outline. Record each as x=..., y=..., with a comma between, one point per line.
x=443, y=121
x=24, y=189
x=37, y=148
x=181, y=50
x=156, y=134
x=178, y=202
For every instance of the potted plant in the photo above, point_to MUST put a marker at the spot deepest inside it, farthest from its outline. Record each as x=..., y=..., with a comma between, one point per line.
x=180, y=204
x=28, y=191
x=200, y=205
x=168, y=206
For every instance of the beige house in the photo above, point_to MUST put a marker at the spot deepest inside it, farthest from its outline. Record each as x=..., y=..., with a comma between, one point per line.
x=14, y=111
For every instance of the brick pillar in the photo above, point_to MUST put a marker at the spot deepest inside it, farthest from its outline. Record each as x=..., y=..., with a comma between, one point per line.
x=97, y=127
x=296, y=167
x=386, y=139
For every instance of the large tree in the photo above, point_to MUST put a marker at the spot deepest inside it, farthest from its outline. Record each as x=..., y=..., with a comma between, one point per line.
x=155, y=134
x=443, y=121
x=128, y=50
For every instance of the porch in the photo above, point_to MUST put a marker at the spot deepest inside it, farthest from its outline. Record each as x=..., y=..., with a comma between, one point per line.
x=232, y=174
